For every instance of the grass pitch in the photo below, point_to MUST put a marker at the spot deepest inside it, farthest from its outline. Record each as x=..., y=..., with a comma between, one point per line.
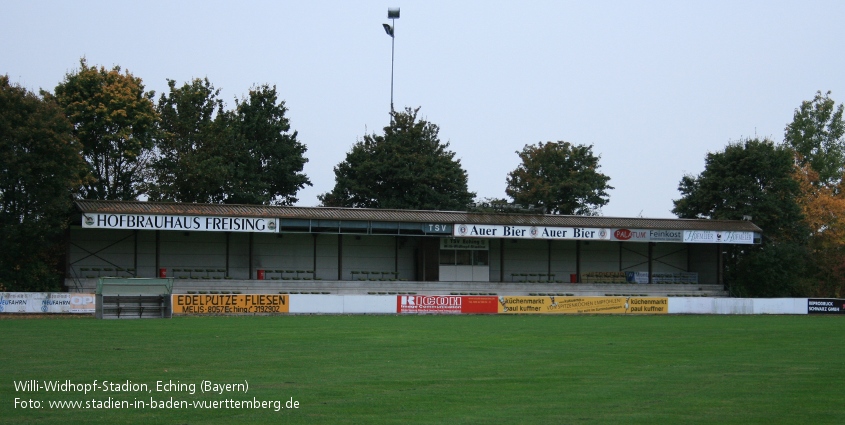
x=434, y=369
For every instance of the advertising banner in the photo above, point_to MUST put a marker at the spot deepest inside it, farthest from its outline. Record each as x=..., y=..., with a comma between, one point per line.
x=606, y=277
x=180, y=222
x=825, y=306
x=583, y=305
x=529, y=232
x=446, y=304
x=465, y=244
x=638, y=277
x=707, y=236
x=230, y=304
x=679, y=277
x=644, y=235
x=46, y=302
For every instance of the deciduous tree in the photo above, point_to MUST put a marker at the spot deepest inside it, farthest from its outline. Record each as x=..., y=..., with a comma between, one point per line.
x=816, y=134
x=208, y=154
x=40, y=167
x=190, y=163
x=753, y=178
x=823, y=207
x=560, y=177
x=265, y=157
x=406, y=168
x=114, y=120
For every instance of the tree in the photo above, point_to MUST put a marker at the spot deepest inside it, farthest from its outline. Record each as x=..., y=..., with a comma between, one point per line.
x=560, y=177
x=190, y=165
x=266, y=160
x=208, y=154
x=40, y=167
x=824, y=211
x=753, y=178
x=816, y=134
x=749, y=178
x=406, y=168
x=114, y=120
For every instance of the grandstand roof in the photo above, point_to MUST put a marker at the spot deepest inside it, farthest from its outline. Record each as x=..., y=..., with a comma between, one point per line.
x=407, y=216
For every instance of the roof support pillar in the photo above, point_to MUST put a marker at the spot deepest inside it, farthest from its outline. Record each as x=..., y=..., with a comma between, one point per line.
x=339, y=256
x=650, y=258
x=578, y=261
x=251, y=240
x=501, y=260
x=314, y=258
x=158, y=253
x=228, y=250
x=720, y=265
x=620, y=256
x=134, y=256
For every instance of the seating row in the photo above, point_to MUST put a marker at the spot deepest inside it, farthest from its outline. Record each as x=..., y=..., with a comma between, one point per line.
x=184, y=273
x=95, y=272
x=213, y=292
x=534, y=277
x=363, y=275
x=285, y=274
x=391, y=293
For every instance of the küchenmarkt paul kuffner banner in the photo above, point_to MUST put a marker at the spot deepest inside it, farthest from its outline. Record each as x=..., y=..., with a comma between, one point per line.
x=583, y=305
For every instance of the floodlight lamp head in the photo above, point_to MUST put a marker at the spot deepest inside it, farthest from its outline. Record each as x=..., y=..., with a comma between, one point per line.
x=393, y=13
x=388, y=29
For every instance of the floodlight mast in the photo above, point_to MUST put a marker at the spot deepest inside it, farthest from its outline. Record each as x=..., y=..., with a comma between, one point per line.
x=390, y=29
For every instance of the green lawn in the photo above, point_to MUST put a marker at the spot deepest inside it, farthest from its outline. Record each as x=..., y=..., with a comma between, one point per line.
x=439, y=369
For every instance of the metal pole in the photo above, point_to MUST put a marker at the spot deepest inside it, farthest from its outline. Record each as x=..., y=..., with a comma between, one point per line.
x=392, y=50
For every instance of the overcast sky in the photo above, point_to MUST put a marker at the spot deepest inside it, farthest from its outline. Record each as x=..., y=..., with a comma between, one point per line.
x=652, y=85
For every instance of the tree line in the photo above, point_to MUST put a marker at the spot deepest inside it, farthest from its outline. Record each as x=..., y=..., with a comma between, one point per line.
x=794, y=191
x=101, y=135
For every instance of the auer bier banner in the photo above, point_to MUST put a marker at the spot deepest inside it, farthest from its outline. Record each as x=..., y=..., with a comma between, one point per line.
x=529, y=232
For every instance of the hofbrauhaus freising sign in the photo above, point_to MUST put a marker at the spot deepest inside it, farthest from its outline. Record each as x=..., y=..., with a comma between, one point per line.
x=179, y=222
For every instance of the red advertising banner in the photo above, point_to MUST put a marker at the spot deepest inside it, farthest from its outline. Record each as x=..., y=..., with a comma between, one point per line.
x=480, y=305
x=446, y=304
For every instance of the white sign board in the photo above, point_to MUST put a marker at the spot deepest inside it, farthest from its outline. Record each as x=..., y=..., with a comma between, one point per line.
x=529, y=232
x=46, y=302
x=180, y=222
x=464, y=244
x=711, y=236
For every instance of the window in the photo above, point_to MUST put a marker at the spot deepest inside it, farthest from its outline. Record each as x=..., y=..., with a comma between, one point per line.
x=447, y=257
x=480, y=258
x=463, y=257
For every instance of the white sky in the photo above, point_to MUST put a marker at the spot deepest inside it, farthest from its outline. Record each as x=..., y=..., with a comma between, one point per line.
x=652, y=85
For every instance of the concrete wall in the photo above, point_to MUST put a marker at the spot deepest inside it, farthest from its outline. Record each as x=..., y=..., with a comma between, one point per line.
x=737, y=305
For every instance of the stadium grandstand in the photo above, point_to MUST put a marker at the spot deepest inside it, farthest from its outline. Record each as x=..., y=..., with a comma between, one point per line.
x=211, y=248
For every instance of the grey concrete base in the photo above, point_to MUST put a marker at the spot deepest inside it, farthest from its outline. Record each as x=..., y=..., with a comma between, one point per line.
x=184, y=286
